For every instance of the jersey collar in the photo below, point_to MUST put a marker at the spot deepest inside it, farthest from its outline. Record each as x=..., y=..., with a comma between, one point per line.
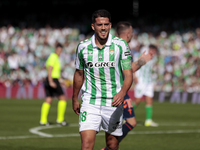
x=108, y=43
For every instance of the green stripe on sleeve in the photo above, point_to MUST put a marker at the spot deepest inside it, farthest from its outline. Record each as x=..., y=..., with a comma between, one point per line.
x=119, y=65
x=80, y=55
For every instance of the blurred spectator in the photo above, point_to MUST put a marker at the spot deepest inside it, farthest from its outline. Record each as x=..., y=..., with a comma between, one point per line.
x=13, y=61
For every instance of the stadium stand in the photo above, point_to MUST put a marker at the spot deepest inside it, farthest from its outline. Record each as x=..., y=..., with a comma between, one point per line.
x=23, y=53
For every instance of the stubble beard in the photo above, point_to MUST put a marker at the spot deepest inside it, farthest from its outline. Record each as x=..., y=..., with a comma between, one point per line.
x=102, y=39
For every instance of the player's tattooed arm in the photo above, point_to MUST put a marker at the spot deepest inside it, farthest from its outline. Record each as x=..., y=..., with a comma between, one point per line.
x=143, y=59
x=140, y=62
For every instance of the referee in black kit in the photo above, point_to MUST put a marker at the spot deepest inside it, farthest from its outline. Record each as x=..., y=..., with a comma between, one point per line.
x=52, y=86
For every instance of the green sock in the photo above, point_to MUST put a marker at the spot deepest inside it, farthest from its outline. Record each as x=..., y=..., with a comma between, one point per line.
x=149, y=111
x=44, y=112
x=61, y=110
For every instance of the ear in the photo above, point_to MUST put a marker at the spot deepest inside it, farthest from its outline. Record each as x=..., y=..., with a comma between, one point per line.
x=126, y=34
x=92, y=25
x=110, y=25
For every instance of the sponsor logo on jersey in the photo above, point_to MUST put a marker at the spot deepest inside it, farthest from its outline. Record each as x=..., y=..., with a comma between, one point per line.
x=100, y=64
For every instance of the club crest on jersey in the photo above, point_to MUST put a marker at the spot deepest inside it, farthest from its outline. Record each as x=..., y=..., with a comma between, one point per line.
x=111, y=52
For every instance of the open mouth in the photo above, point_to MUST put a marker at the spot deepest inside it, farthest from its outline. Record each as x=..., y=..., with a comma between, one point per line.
x=103, y=33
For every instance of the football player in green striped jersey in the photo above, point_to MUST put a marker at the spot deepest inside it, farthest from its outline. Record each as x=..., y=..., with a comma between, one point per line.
x=144, y=86
x=101, y=61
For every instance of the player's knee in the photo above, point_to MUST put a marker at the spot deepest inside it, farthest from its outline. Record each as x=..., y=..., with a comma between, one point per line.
x=48, y=100
x=137, y=101
x=62, y=97
x=132, y=122
x=86, y=144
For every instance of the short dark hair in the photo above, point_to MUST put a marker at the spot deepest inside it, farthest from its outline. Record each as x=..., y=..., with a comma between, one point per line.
x=59, y=45
x=121, y=26
x=101, y=13
x=152, y=46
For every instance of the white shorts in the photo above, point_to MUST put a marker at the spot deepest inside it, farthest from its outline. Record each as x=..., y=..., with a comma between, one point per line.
x=108, y=119
x=143, y=89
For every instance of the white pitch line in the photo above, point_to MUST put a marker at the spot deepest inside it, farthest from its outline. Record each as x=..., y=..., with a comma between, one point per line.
x=165, y=132
x=136, y=132
x=180, y=124
x=37, y=132
x=102, y=134
x=18, y=137
x=160, y=124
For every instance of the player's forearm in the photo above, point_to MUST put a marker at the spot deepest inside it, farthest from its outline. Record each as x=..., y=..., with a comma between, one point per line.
x=128, y=79
x=77, y=84
x=138, y=64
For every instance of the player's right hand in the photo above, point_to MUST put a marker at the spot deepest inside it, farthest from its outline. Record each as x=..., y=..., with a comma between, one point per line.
x=52, y=84
x=118, y=99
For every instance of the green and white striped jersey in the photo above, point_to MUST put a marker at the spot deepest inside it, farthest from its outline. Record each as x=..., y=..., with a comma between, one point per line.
x=144, y=73
x=102, y=69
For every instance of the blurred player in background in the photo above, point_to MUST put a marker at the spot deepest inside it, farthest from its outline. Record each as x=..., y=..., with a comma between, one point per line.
x=124, y=31
x=144, y=85
x=53, y=87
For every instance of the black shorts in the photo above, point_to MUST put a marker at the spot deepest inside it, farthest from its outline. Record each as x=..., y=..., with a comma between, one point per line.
x=50, y=92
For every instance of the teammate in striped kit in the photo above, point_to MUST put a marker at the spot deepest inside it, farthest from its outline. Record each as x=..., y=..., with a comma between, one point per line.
x=144, y=85
x=100, y=64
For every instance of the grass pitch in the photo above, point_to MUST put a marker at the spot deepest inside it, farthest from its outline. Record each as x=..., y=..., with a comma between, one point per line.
x=179, y=128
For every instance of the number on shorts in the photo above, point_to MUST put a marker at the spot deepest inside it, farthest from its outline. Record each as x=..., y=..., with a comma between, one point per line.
x=82, y=116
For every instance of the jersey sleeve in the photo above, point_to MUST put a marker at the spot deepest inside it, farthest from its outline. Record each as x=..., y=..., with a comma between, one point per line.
x=51, y=60
x=79, y=61
x=126, y=56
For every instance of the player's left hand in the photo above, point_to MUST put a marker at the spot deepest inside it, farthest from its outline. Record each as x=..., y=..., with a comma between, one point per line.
x=118, y=99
